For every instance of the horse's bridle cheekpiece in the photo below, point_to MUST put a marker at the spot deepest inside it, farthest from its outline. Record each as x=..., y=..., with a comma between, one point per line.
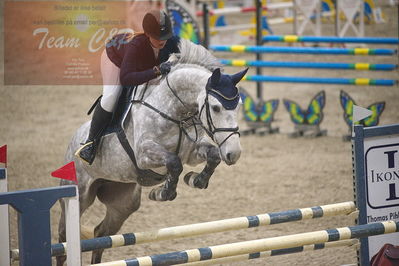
x=227, y=94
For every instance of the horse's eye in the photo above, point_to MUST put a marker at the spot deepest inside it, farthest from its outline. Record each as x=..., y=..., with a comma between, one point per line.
x=216, y=108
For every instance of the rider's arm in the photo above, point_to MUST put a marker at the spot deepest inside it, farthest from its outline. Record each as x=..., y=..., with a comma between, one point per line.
x=133, y=58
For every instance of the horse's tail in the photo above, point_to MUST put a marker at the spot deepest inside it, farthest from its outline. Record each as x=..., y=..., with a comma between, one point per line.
x=86, y=232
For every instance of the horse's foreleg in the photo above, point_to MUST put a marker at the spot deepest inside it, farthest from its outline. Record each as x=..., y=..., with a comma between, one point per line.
x=152, y=155
x=201, y=180
x=167, y=191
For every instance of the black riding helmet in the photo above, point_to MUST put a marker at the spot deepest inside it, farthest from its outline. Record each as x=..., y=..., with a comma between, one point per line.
x=157, y=24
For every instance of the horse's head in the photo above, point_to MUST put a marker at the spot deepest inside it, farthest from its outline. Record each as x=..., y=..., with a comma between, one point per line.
x=219, y=112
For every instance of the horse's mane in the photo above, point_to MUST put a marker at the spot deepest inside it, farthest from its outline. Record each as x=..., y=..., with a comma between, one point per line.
x=191, y=53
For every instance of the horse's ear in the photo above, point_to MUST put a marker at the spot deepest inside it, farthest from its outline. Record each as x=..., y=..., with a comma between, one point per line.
x=215, y=76
x=238, y=76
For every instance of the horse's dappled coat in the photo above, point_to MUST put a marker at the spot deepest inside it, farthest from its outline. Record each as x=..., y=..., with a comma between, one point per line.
x=112, y=177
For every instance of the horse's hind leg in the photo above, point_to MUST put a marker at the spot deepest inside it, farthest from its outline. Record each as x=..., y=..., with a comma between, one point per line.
x=121, y=200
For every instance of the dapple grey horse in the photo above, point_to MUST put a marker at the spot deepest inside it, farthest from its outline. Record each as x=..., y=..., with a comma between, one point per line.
x=188, y=117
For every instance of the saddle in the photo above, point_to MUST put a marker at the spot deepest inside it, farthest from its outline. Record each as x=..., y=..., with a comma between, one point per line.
x=117, y=126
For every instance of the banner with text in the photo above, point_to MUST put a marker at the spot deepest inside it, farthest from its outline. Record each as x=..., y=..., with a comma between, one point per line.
x=59, y=42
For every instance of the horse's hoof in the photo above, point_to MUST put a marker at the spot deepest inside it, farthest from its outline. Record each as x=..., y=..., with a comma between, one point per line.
x=156, y=194
x=189, y=178
x=161, y=194
x=192, y=179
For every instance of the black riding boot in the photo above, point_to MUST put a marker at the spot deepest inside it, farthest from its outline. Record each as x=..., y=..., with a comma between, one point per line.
x=99, y=122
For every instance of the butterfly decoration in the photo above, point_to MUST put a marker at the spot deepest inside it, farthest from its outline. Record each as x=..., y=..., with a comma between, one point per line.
x=263, y=111
x=347, y=104
x=313, y=115
x=184, y=25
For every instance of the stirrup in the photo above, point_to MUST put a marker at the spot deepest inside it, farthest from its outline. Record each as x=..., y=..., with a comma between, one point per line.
x=89, y=156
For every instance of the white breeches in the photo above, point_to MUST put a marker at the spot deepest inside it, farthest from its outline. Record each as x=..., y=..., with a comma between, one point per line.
x=111, y=83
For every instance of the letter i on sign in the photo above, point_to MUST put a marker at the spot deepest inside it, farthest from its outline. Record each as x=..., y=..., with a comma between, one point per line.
x=391, y=164
x=391, y=158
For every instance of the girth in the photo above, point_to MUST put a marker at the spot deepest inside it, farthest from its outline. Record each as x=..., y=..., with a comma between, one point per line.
x=145, y=177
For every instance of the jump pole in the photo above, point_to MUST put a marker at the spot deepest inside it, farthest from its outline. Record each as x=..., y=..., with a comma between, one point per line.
x=259, y=86
x=339, y=81
x=229, y=11
x=168, y=233
x=276, y=252
x=302, y=50
x=329, y=39
x=260, y=245
x=240, y=10
x=319, y=65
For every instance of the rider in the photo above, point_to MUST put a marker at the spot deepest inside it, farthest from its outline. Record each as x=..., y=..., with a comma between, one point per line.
x=130, y=61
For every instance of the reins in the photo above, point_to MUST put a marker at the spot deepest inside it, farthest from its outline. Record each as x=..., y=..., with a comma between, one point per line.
x=190, y=119
x=182, y=123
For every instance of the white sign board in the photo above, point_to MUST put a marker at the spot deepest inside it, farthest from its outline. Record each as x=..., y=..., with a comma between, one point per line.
x=381, y=158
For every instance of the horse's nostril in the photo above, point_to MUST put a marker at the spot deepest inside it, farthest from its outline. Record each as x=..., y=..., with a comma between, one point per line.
x=228, y=156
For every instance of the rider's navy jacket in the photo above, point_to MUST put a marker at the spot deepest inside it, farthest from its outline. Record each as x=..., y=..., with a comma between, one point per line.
x=136, y=57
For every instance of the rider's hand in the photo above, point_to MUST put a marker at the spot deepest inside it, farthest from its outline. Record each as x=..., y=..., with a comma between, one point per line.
x=165, y=67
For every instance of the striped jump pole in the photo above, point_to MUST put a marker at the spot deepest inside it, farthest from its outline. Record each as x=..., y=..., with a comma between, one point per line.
x=355, y=66
x=190, y=230
x=233, y=27
x=302, y=50
x=276, y=252
x=338, y=81
x=260, y=245
x=329, y=39
x=229, y=10
x=237, y=10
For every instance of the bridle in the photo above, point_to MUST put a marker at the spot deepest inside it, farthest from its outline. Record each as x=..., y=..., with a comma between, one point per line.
x=211, y=130
x=193, y=119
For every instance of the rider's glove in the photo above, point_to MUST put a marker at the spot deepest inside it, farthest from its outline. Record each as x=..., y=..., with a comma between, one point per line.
x=164, y=68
